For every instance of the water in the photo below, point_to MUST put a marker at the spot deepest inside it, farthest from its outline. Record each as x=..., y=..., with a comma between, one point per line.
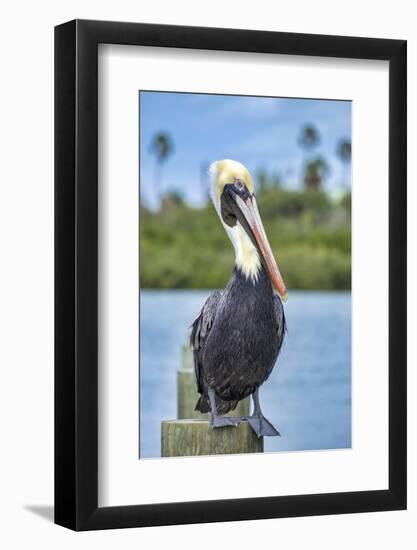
x=308, y=395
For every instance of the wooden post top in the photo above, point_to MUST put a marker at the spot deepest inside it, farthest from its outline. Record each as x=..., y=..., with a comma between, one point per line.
x=195, y=437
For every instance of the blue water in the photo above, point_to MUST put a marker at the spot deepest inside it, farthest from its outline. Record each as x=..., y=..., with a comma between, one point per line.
x=308, y=395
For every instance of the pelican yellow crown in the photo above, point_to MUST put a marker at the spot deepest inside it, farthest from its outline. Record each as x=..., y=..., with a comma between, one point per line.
x=226, y=171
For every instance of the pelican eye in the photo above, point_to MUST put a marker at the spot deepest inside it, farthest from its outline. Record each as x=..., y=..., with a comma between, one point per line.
x=239, y=185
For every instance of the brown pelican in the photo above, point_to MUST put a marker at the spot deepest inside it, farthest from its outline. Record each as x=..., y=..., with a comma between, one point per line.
x=239, y=332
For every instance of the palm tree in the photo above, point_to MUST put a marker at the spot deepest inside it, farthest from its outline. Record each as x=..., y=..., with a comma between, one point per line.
x=309, y=137
x=161, y=147
x=344, y=152
x=315, y=172
x=308, y=140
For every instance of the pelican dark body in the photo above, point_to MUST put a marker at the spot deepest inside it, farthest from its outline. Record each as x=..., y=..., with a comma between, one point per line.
x=237, y=337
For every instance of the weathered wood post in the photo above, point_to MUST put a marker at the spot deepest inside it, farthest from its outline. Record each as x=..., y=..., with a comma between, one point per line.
x=187, y=391
x=186, y=387
x=192, y=437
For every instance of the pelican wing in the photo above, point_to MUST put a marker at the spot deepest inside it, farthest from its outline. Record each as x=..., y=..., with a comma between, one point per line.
x=280, y=320
x=200, y=331
x=281, y=328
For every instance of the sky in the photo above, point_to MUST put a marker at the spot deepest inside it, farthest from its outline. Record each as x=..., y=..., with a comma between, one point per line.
x=259, y=132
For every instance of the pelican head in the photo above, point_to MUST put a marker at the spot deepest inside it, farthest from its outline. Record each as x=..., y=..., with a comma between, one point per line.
x=233, y=196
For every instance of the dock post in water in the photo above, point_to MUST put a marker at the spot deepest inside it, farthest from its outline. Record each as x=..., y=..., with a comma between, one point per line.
x=187, y=394
x=192, y=435
x=195, y=437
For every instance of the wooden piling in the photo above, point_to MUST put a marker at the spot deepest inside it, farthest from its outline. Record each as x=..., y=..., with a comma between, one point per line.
x=187, y=394
x=192, y=437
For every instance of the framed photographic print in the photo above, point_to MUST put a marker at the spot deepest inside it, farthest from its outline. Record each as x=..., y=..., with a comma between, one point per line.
x=230, y=253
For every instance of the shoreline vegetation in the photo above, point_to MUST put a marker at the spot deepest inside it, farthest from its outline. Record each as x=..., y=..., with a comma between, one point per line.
x=183, y=247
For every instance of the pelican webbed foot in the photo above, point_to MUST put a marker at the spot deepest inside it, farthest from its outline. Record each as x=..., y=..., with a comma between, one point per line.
x=261, y=426
x=217, y=421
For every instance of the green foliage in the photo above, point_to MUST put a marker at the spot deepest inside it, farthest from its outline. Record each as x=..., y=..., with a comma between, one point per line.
x=310, y=235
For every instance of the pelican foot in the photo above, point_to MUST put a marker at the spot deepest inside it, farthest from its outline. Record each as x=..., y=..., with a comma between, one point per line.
x=217, y=421
x=261, y=426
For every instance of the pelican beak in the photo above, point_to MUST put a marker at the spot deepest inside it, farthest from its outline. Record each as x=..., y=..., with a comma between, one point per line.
x=248, y=215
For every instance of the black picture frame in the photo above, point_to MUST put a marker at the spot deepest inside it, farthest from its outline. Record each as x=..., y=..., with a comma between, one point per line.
x=76, y=272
